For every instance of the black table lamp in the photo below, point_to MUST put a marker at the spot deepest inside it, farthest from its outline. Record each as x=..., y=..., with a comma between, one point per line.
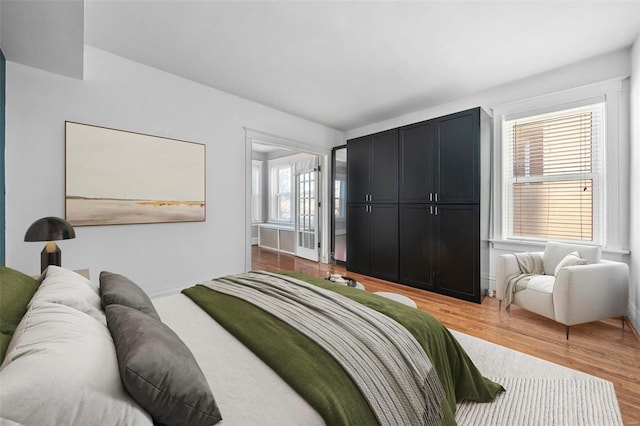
x=50, y=229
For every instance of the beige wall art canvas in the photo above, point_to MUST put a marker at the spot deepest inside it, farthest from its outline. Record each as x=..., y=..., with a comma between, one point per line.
x=116, y=177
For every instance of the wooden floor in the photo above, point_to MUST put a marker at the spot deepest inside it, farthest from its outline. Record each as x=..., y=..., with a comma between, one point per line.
x=601, y=348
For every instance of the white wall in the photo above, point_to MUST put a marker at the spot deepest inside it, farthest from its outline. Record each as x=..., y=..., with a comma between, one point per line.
x=634, y=235
x=122, y=94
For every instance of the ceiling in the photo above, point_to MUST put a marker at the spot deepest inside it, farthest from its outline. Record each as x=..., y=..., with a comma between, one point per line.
x=347, y=64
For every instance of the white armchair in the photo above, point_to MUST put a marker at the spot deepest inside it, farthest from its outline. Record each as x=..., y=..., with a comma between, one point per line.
x=569, y=295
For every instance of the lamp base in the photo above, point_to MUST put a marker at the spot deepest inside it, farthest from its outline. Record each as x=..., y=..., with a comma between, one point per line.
x=50, y=257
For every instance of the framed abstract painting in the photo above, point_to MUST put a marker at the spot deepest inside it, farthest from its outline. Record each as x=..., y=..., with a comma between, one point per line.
x=116, y=177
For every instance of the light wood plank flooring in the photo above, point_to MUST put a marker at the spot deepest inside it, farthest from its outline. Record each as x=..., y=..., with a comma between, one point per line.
x=601, y=348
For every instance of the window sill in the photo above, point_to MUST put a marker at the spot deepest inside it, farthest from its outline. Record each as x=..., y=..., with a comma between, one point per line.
x=608, y=253
x=517, y=245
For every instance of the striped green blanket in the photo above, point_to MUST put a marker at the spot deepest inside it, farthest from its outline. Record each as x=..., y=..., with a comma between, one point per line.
x=319, y=377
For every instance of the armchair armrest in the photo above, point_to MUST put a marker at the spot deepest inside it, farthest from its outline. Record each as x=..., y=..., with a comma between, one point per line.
x=506, y=266
x=586, y=293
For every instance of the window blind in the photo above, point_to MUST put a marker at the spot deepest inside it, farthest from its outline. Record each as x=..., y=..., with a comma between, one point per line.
x=553, y=174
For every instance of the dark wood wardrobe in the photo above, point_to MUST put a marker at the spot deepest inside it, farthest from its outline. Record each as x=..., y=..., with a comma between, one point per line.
x=418, y=204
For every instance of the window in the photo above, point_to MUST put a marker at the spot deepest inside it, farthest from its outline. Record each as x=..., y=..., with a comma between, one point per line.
x=339, y=196
x=553, y=174
x=281, y=192
x=256, y=191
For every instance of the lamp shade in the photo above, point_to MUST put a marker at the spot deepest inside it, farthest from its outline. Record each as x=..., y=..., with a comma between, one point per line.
x=50, y=229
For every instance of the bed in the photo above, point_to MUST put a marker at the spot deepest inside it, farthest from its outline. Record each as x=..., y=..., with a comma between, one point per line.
x=224, y=350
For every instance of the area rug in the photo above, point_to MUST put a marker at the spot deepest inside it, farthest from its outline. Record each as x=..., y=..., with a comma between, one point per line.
x=538, y=392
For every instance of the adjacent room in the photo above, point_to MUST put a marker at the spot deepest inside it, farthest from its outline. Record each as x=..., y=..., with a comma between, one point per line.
x=285, y=200
x=319, y=212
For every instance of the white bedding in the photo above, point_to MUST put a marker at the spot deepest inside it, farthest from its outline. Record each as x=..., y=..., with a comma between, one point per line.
x=247, y=391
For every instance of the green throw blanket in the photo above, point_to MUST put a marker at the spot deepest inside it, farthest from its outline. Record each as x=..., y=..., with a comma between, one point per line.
x=318, y=378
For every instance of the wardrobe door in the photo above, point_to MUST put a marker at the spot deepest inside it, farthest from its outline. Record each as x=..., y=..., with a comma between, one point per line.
x=457, y=251
x=458, y=158
x=358, y=238
x=416, y=241
x=416, y=163
x=384, y=167
x=358, y=169
x=383, y=234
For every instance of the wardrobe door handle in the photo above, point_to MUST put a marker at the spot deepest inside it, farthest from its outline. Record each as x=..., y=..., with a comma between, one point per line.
x=436, y=196
x=431, y=196
x=436, y=210
x=430, y=209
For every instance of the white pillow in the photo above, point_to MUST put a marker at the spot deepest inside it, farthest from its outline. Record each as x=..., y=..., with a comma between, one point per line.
x=61, y=368
x=554, y=252
x=71, y=289
x=571, y=259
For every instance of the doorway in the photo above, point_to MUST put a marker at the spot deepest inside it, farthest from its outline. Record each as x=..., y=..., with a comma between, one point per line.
x=285, y=192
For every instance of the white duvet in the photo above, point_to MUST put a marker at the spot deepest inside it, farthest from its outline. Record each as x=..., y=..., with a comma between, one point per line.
x=247, y=391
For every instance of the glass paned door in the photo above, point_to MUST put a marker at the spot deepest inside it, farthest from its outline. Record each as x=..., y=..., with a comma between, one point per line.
x=307, y=212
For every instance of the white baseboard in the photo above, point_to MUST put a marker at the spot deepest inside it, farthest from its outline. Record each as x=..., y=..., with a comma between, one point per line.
x=254, y=241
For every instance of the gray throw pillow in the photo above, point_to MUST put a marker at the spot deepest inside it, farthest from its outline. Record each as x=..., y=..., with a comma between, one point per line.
x=159, y=371
x=120, y=290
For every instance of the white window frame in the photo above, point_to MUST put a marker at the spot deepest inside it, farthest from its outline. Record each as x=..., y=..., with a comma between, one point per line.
x=274, y=194
x=597, y=174
x=615, y=186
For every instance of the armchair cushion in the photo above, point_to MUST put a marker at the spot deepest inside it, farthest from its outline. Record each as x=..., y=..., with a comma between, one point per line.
x=555, y=252
x=542, y=283
x=572, y=259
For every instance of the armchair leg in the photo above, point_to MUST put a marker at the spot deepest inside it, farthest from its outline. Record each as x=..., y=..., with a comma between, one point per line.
x=566, y=327
x=499, y=305
x=622, y=318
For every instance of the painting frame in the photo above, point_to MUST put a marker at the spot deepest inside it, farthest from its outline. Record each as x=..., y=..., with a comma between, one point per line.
x=120, y=177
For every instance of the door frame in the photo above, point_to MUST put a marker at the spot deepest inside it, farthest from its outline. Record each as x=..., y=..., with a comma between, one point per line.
x=252, y=135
